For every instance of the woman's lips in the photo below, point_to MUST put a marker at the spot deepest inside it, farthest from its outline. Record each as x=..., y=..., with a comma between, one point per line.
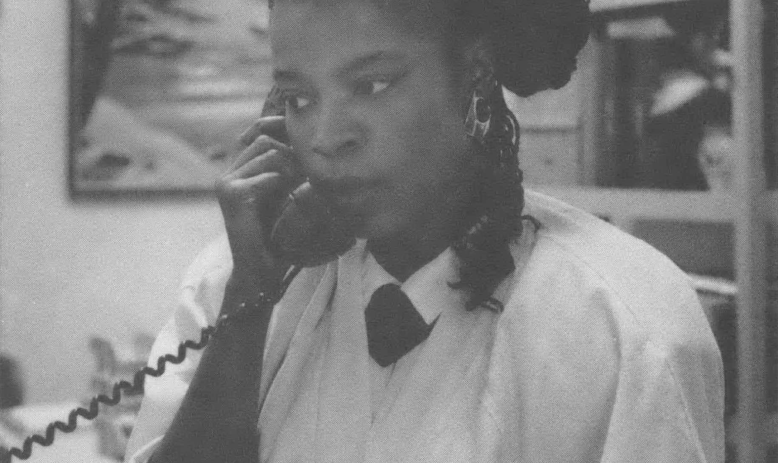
x=346, y=191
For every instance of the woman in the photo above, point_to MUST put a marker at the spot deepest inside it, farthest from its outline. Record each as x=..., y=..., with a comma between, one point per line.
x=527, y=330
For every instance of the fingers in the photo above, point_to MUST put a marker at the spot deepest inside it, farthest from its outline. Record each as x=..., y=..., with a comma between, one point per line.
x=265, y=135
x=269, y=185
x=242, y=199
x=271, y=161
x=272, y=126
x=252, y=192
x=248, y=209
x=258, y=147
x=243, y=191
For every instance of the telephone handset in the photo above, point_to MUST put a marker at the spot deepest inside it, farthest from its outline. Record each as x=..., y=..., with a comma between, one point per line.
x=307, y=232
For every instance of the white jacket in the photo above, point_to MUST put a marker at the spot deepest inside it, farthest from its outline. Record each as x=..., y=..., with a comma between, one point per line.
x=601, y=354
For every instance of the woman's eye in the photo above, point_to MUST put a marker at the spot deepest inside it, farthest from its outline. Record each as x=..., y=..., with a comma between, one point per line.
x=297, y=101
x=370, y=87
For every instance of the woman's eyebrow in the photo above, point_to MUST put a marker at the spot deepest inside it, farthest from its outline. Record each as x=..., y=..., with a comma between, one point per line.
x=355, y=65
x=380, y=57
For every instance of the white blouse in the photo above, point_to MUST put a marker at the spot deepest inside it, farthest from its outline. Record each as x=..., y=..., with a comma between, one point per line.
x=601, y=354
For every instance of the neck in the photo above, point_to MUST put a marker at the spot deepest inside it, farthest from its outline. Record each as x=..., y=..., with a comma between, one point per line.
x=402, y=255
x=402, y=258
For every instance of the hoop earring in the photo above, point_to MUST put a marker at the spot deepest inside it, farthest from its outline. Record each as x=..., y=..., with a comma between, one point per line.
x=479, y=117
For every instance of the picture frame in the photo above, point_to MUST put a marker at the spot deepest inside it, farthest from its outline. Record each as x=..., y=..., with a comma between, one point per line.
x=159, y=92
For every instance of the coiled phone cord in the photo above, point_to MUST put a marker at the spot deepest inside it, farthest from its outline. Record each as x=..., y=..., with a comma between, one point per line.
x=136, y=386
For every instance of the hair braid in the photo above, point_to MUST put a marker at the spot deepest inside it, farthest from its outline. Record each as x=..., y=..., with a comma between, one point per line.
x=484, y=250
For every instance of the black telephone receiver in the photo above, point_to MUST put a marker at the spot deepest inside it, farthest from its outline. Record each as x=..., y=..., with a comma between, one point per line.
x=307, y=232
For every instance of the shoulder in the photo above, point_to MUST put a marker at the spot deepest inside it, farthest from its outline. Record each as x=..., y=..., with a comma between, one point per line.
x=593, y=309
x=584, y=269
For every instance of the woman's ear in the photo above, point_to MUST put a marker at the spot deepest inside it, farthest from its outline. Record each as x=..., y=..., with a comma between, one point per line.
x=478, y=58
x=478, y=80
x=478, y=67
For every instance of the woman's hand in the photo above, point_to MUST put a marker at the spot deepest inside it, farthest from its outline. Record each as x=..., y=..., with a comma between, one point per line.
x=250, y=194
x=212, y=425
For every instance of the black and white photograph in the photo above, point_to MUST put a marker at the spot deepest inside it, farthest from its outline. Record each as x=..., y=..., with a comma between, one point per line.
x=389, y=231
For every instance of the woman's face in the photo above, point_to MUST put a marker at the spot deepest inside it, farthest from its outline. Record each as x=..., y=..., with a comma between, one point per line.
x=372, y=115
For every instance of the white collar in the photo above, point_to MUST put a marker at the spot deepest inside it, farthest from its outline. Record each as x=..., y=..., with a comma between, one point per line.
x=428, y=288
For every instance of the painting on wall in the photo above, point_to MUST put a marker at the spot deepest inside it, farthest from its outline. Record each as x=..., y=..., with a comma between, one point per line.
x=160, y=92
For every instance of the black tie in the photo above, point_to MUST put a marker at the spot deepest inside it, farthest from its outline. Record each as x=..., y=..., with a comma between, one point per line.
x=394, y=326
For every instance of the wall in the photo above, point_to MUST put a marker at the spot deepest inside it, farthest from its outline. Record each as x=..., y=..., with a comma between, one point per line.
x=71, y=270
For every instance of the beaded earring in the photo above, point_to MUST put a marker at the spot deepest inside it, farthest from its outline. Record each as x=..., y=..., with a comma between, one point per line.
x=478, y=120
x=479, y=117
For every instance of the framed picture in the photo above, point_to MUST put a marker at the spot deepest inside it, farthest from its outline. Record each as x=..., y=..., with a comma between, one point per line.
x=160, y=90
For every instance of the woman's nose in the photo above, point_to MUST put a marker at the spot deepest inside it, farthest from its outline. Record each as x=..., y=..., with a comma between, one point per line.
x=337, y=131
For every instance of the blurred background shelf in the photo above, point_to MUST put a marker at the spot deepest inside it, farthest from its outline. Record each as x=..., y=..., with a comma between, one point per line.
x=621, y=6
x=608, y=5
x=624, y=205
x=621, y=205
x=674, y=116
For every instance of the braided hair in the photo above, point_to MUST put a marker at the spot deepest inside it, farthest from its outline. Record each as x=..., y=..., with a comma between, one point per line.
x=531, y=46
x=484, y=249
